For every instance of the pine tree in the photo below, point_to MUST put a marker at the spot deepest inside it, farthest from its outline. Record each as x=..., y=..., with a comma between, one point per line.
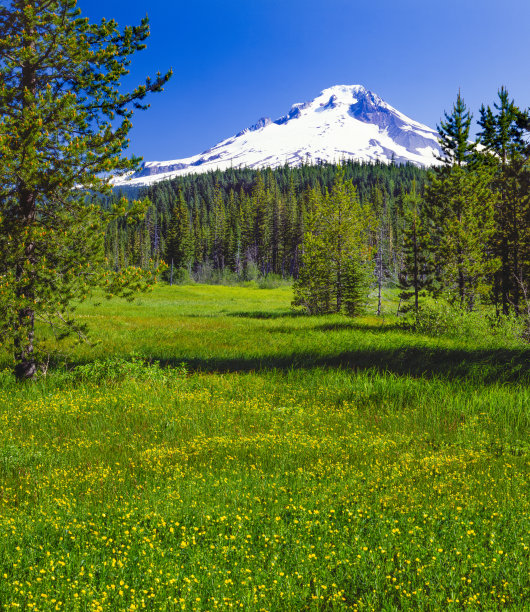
x=179, y=244
x=219, y=246
x=356, y=281
x=416, y=273
x=288, y=229
x=454, y=135
x=335, y=240
x=313, y=288
x=234, y=234
x=379, y=210
x=460, y=205
x=259, y=218
x=246, y=223
x=506, y=152
x=63, y=123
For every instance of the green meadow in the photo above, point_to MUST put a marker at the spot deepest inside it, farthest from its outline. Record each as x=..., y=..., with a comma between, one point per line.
x=213, y=449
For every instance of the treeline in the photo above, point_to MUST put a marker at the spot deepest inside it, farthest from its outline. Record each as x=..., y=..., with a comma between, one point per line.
x=460, y=230
x=463, y=235
x=468, y=237
x=245, y=223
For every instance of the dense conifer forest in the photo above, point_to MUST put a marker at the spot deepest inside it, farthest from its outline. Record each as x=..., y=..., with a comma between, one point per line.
x=245, y=223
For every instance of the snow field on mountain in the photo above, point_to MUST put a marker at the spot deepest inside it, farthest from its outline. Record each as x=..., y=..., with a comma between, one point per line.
x=342, y=122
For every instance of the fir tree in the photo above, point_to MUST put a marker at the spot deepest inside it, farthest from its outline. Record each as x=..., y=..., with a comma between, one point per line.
x=454, y=135
x=379, y=209
x=459, y=203
x=219, y=235
x=179, y=243
x=416, y=273
x=356, y=281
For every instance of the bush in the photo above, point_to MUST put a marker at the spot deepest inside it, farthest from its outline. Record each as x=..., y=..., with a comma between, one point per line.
x=206, y=273
x=273, y=281
x=250, y=276
x=251, y=271
x=182, y=276
x=438, y=317
x=118, y=369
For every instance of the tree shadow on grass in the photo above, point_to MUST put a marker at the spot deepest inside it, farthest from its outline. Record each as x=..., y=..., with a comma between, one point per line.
x=353, y=326
x=267, y=314
x=335, y=327
x=482, y=365
x=485, y=366
x=252, y=314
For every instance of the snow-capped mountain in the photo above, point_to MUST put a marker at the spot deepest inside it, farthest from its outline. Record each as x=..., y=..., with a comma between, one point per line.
x=343, y=122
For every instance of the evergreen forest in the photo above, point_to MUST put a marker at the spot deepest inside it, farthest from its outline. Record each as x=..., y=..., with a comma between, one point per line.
x=243, y=223
x=460, y=230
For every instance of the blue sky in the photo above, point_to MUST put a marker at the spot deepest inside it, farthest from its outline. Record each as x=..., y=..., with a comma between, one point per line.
x=235, y=61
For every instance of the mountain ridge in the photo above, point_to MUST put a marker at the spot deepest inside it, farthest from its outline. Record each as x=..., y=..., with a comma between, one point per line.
x=342, y=122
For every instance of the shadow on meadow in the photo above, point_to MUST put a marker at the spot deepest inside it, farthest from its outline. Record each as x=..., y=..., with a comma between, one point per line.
x=483, y=365
x=251, y=314
x=342, y=326
x=267, y=314
x=353, y=326
x=294, y=314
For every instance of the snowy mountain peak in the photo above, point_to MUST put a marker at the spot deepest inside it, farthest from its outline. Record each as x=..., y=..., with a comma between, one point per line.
x=342, y=122
x=346, y=95
x=331, y=98
x=345, y=92
x=261, y=123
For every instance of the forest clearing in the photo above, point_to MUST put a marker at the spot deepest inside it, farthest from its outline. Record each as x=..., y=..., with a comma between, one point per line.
x=291, y=371
x=250, y=457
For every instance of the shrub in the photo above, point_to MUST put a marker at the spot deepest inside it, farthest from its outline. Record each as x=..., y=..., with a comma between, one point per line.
x=118, y=369
x=438, y=317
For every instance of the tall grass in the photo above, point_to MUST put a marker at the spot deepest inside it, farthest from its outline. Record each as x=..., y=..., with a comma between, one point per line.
x=217, y=451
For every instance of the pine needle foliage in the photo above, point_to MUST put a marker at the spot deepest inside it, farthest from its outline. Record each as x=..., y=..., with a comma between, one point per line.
x=460, y=206
x=453, y=134
x=416, y=276
x=504, y=135
x=63, y=128
x=335, y=251
x=179, y=247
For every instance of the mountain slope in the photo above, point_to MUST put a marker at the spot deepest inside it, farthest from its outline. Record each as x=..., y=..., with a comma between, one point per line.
x=343, y=122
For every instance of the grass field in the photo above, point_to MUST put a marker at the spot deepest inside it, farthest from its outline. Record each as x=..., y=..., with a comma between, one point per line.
x=217, y=451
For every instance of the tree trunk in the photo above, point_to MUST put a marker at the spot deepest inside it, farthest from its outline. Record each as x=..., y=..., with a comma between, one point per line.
x=25, y=362
x=26, y=365
x=380, y=272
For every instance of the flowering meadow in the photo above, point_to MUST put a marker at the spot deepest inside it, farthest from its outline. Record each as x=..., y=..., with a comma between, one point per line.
x=216, y=451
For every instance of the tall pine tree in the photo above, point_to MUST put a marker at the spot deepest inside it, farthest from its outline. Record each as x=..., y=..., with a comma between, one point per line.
x=506, y=153
x=63, y=127
x=459, y=203
x=179, y=242
x=335, y=250
x=417, y=268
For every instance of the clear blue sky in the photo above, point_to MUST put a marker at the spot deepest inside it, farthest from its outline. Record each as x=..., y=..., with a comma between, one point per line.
x=235, y=61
